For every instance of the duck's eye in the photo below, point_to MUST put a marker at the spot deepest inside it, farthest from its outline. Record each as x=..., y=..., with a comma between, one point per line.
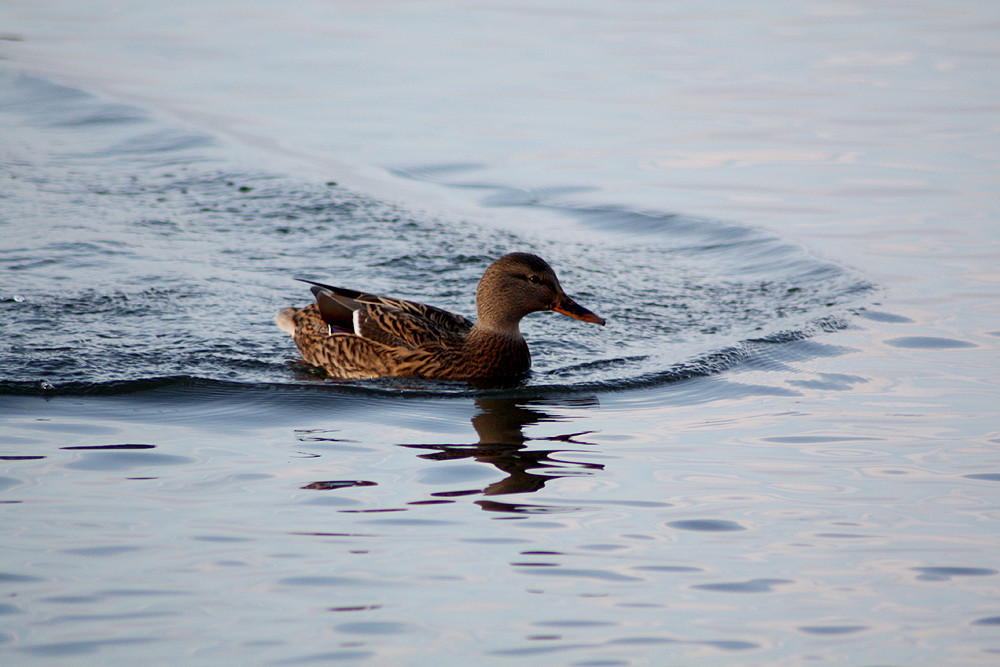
x=534, y=280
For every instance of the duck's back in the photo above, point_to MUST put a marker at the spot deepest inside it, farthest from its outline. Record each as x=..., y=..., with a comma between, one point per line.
x=441, y=355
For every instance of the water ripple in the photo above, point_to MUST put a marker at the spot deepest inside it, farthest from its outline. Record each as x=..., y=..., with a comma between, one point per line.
x=176, y=269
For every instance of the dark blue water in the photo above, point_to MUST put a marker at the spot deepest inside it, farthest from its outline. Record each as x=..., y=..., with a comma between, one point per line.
x=187, y=259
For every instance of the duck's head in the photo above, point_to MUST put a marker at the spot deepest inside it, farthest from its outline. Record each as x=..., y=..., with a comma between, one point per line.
x=522, y=283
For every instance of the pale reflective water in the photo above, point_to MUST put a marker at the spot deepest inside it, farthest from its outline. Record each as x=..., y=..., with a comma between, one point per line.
x=782, y=449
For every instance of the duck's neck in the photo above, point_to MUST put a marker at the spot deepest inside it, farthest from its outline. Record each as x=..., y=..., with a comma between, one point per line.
x=500, y=351
x=484, y=328
x=497, y=312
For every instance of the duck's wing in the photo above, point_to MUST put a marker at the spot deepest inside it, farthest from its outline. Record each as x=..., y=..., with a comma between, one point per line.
x=392, y=322
x=438, y=317
x=348, y=356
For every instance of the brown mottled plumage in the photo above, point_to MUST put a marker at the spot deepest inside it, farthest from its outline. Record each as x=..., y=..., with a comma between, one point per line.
x=356, y=335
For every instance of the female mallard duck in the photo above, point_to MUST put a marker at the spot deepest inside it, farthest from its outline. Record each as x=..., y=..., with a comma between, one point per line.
x=356, y=335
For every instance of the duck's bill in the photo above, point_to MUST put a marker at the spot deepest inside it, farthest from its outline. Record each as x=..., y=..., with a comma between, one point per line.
x=567, y=306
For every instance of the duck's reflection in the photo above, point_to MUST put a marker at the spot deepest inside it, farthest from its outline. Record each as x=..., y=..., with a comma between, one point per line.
x=502, y=443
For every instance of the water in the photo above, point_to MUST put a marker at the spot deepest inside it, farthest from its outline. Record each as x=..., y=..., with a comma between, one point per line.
x=782, y=448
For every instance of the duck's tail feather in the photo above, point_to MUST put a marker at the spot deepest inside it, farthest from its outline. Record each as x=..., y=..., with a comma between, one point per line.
x=285, y=319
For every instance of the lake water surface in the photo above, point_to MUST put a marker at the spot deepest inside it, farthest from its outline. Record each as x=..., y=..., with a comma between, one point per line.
x=784, y=447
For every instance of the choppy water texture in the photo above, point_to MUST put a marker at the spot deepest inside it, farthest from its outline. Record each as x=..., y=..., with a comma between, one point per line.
x=182, y=272
x=783, y=448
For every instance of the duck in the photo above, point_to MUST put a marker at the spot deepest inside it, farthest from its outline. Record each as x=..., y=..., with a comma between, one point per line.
x=357, y=335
